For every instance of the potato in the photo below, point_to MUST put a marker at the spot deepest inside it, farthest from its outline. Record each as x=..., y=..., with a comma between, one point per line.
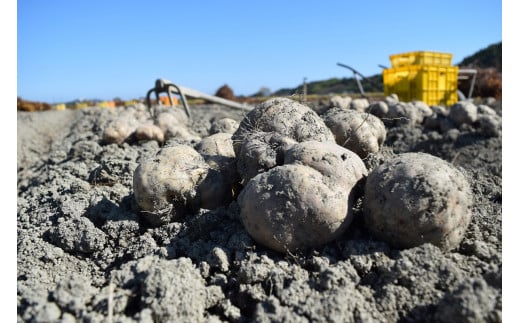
x=166, y=187
x=261, y=152
x=306, y=202
x=135, y=120
x=226, y=125
x=270, y=128
x=392, y=99
x=363, y=133
x=215, y=147
x=401, y=113
x=293, y=207
x=330, y=159
x=179, y=114
x=417, y=198
x=149, y=131
x=165, y=121
x=379, y=109
x=490, y=125
x=423, y=110
x=284, y=116
x=120, y=129
x=174, y=125
x=216, y=189
x=483, y=109
x=360, y=104
x=340, y=102
x=463, y=112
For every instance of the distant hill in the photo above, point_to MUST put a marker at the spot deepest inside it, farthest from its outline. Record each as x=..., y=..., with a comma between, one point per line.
x=336, y=85
x=488, y=63
x=489, y=57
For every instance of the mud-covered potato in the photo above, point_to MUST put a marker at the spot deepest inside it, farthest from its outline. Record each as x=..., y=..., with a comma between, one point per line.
x=338, y=101
x=483, y=109
x=178, y=114
x=216, y=189
x=360, y=104
x=363, y=133
x=174, y=125
x=120, y=129
x=391, y=99
x=305, y=202
x=490, y=125
x=330, y=159
x=261, y=152
x=423, y=109
x=226, y=125
x=417, y=198
x=284, y=116
x=293, y=207
x=378, y=108
x=166, y=186
x=463, y=112
x=149, y=131
x=403, y=113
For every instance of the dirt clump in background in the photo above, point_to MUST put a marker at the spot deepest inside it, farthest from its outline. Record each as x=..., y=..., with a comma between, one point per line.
x=225, y=92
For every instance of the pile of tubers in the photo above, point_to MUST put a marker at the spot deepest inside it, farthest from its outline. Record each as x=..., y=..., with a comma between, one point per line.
x=296, y=176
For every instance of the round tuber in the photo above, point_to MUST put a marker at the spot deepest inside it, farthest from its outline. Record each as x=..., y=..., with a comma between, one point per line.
x=417, y=198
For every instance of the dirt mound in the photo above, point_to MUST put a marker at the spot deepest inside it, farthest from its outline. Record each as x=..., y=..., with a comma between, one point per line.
x=225, y=92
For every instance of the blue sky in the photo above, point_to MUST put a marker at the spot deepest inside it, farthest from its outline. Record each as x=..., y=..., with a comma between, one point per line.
x=105, y=49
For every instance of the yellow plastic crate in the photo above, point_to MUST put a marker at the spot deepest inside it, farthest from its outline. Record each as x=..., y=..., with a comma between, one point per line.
x=421, y=58
x=432, y=84
x=60, y=107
